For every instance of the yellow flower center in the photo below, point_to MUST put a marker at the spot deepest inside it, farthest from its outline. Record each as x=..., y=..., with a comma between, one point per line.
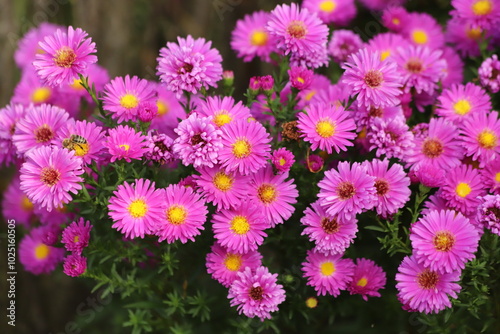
x=81, y=149
x=362, y=282
x=362, y=133
x=311, y=302
x=267, y=193
x=65, y=57
x=396, y=21
x=129, y=101
x=487, y=139
x=241, y=148
x=176, y=214
x=259, y=38
x=41, y=95
x=77, y=84
x=497, y=177
x=474, y=33
x=325, y=128
x=240, y=225
x=222, y=118
x=327, y=268
x=419, y=36
x=282, y=162
x=482, y=7
x=233, y=262
x=126, y=147
x=26, y=204
x=222, y=181
x=138, y=208
x=76, y=239
x=297, y=29
x=162, y=108
x=327, y=6
x=443, y=241
x=301, y=80
x=42, y=251
x=462, y=107
x=385, y=54
x=463, y=189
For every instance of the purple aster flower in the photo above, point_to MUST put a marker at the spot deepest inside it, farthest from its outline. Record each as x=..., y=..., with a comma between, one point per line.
x=391, y=138
x=159, y=148
x=348, y=191
x=315, y=163
x=459, y=102
x=123, y=142
x=31, y=90
x=301, y=78
x=340, y=13
x=75, y=236
x=37, y=257
x=84, y=138
x=387, y=44
x=489, y=73
x=425, y=290
x=465, y=37
x=189, y=65
x=421, y=29
x=376, y=82
x=282, y=160
x=343, y=43
x=147, y=111
x=364, y=116
x=488, y=213
x=65, y=55
x=222, y=110
x=480, y=136
x=74, y=265
x=394, y=18
x=483, y=13
x=170, y=111
x=198, y=142
x=430, y=176
x=491, y=176
x=256, y=293
x=16, y=205
x=10, y=115
x=367, y=280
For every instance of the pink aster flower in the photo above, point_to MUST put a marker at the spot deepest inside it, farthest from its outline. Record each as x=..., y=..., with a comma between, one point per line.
x=10, y=115
x=66, y=54
x=491, y=176
x=430, y=176
x=367, y=280
x=74, y=265
x=300, y=78
x=425, y=290
x=75, y=236
x=488, y=213
x=50, y=175
x=348, y=191
x=340, y=13
x=420, y=67
x=327, y=274
x=240, y=230
x=198, y=142
x=123, y=142
x=315, y=163
x=27, y=47
x=136, y=208
x=147, y=111
x=31, y=90
x=331, y=235
x=386, y=44
x=392, y=186
x=39, y=127
x=16, y=205
x=189, y=65
x=251, y=39
x=483, y=13
x=364, y=116
x=184, y=215
x=480, y=136
x=222, y=110
x=463, y=185
x=439, y=147
x=391, y=138
x=245, y=146
x=376, y=82
x=297, y=31
x=159, y=148
x=90, y=142
x=123, y=97
x=223, y=189
x=256, y=293
x=273, y=195
x=282, y=160
x=444, y=241
x=224, y=266
x=421, y=29
x=377, y=5
x=343, y=43
x=170, y=111
x=326, y=127
x=394, y=18
x=460, y=102
x=465, y=37
x=489, y=74
x=37, y=257
x=454, y=73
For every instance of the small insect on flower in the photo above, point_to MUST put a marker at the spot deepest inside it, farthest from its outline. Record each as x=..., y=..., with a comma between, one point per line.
x=76, y=143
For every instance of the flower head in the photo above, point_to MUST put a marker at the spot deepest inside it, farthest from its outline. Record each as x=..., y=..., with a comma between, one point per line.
x=482, y=13
x=16, y=205
x=421, y=29
x=340, y=13
x=394, y=18
x=460, y=102
x=222, y=110
x=123, y=142
x=159, y=148
x=282, y=160
x=367, y=280
x=488, y=213
x=37, y=257
x=84, y=138
x=75, y=236
x=489, y=73
x=344, y=43
x=480, y=136
x=74, y=265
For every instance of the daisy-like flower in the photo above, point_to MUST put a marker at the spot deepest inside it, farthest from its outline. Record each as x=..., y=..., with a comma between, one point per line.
x=348, y=191
x=444, y=241
x=327, y=127
x=488, y=213
x=376, y=82
x=170, y=111
x=27, y=47
x=224, y=189
x=420, y=67
x=430, y=176
x=75, y=236
x=392, y=186
x=364, y=116
x=421, y=29
x=123, y=142
x=327, y=274
x=10, y=115
x=387, y=44
x=184, y=215
x=37, y=257
x=300, y=77
x=16, y=205
x=251, y=39
x=256, y=293
x=189, y=65
x=297, y=31
x=491, y=176
x=50, y=175
x=282, y=159
x=136, y=208
x=86, y=139
x=198, y=142
x=459, y=102
x=455, y=71
x=240, y=230
x=367, y=280
x=331, y=235
x=440, y=146
x=273, y=195
x=39, y=127
x=483, y=13
x=74, y=265
x=425, y=290
x=463, y=185
x=222, y=110
x=31, y=90
x=343, y=43
x=224, y=266
x=394, y=18
x=391, y=138
x=480, y=136
x=159, y=148
x=489, y=74
x=338, y=12
x=64, y=56
x=124, y=96
x=465, y=37
x=245, y=146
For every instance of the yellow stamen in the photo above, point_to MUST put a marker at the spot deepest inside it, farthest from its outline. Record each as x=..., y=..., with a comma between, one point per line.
x=176, y=214
x=385, y=54
x=129, y=101
x=462, y=107
x=26, y=204
x=222, y=181
x=41, y=95
x=259, y=38
x=311, y=302
x=325, y=128
x=233, y=262
x=327, y=268
x=327, y=6
x=126, y=147
x=240, y=225
x=487, y=139
x=222, y=118
x=138, y=208
x=362, y=282
x=463, y=189
x=42, y=251
x=242, y=148
x=482, y=7
x=162, y=108
x=420, y=36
